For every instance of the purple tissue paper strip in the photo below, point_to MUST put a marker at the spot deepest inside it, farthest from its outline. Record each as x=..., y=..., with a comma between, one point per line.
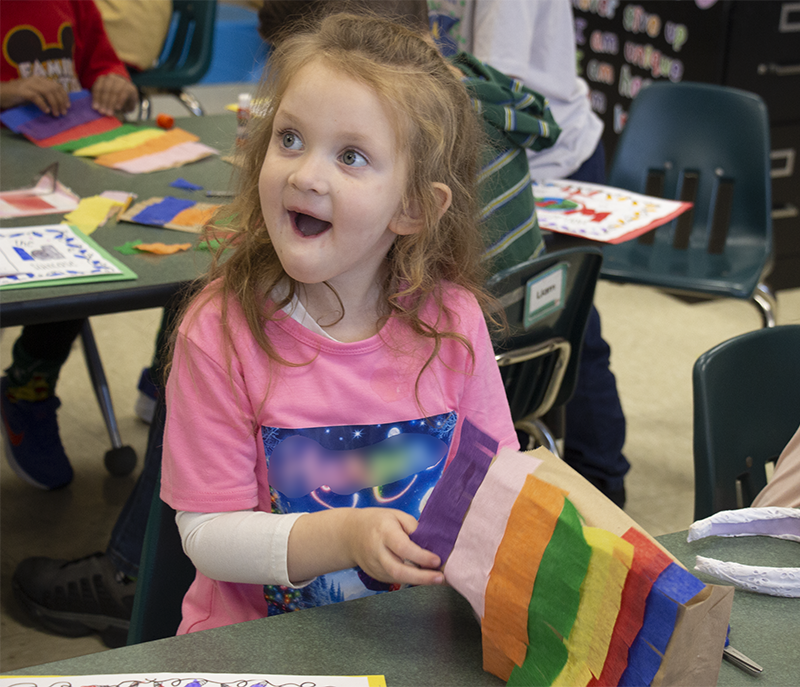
x=80, y=112
x=16, y=117
x=441, y=519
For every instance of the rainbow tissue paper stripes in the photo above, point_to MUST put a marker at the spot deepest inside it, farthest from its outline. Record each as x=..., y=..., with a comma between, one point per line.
x=568, y=589
x=44, y=130
x=86, y=133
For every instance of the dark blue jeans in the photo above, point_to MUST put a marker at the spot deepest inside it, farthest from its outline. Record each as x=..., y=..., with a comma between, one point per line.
x=127, y=537
x=595, y=423
x=125, y=546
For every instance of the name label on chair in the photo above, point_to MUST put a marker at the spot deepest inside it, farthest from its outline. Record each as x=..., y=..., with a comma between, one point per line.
x=544, y=294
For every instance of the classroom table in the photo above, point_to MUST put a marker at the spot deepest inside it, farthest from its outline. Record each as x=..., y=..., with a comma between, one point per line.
x=159, y=276
x=429, y=635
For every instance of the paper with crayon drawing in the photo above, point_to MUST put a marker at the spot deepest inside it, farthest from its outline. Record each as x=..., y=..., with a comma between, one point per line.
x=199, y=679
x=600, y=213
x=54, y=253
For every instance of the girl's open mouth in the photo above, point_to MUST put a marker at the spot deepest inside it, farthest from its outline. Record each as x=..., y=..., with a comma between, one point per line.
x=308, y=225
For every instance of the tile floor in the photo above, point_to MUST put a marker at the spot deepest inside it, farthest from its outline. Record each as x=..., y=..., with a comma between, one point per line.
x=655, y=340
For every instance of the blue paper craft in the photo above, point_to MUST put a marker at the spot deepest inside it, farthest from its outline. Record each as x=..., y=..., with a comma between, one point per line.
x=188, y=185
x=160, y=213
x=16, y=117
x=32, y=122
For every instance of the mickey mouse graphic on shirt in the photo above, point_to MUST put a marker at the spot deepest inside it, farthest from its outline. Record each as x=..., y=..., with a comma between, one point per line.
x=26, y=49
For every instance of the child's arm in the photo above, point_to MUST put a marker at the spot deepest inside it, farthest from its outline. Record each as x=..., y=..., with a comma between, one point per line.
x=254, y=547
x=48, y=95
x=113, y=93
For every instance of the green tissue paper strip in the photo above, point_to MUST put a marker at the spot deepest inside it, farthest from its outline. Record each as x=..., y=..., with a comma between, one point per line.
x=555, y=600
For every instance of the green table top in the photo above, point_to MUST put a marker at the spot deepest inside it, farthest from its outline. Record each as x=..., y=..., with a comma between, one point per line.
x=429, y=635
x=160, y=276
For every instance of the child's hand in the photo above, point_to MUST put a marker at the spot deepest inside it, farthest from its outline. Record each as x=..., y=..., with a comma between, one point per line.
x=376, y=539
x=380, y=545
x=48, y=95
x=113, y=93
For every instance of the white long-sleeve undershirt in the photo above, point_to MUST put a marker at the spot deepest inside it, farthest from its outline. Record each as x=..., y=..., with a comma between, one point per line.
x=249, y=547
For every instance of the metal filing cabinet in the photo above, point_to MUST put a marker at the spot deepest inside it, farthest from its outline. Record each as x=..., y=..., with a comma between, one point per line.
x=749, y=44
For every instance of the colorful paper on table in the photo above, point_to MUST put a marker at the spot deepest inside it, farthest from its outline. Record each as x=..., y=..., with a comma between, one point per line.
x=163, y=248
x=47, y=197
x=54, y=254
x=129, y=247
x=605, y=603
x=601, y=213
x=174, y=148
x=188, y=185
x=78, y=143
x=181, y=214
x=187, y=679
x=124, y=141
x=92, y=212
x=45, y=130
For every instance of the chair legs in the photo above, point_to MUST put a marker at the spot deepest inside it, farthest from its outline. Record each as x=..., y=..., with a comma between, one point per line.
x=767, y=304
x=189, y=102
x=144, y=106
x=541, y=434
x=119, y=460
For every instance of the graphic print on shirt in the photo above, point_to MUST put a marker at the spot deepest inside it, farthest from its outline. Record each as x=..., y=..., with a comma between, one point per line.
x=392, y=465
x=26, y=49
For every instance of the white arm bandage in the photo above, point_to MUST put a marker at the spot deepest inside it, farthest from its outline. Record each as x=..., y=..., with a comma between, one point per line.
x=249, y=547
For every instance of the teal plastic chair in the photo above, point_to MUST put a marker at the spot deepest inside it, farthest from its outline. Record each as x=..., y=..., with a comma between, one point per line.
x=165, y=571
x=185, y=58
x=539, y=356
x=746, y=408
x=709, y=145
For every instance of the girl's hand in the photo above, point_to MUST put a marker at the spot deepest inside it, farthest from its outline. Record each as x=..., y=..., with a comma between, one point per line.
x=380, y=545
x=376, y=539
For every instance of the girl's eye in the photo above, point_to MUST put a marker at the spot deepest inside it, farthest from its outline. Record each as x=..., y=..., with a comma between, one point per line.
x=352, y=158
x=291, y=141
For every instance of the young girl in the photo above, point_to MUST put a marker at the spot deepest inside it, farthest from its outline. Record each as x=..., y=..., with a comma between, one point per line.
x=320, y=380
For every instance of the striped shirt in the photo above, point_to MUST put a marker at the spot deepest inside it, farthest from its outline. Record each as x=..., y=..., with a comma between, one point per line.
x=515, y=118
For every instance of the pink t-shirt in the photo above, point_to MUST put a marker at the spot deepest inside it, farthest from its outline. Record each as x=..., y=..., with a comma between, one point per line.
x=329, y=431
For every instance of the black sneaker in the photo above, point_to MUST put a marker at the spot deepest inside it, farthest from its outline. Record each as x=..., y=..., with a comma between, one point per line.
x=75, y=598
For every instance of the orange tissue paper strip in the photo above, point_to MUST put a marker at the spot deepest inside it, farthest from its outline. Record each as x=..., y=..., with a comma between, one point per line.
x=163, y=248
x=530, y=526
x=194, y=217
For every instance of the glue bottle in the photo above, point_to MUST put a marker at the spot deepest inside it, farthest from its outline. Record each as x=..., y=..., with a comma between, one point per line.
x=242, y=118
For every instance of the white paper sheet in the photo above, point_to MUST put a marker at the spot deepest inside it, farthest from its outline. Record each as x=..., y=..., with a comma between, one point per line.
x=199, y=679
